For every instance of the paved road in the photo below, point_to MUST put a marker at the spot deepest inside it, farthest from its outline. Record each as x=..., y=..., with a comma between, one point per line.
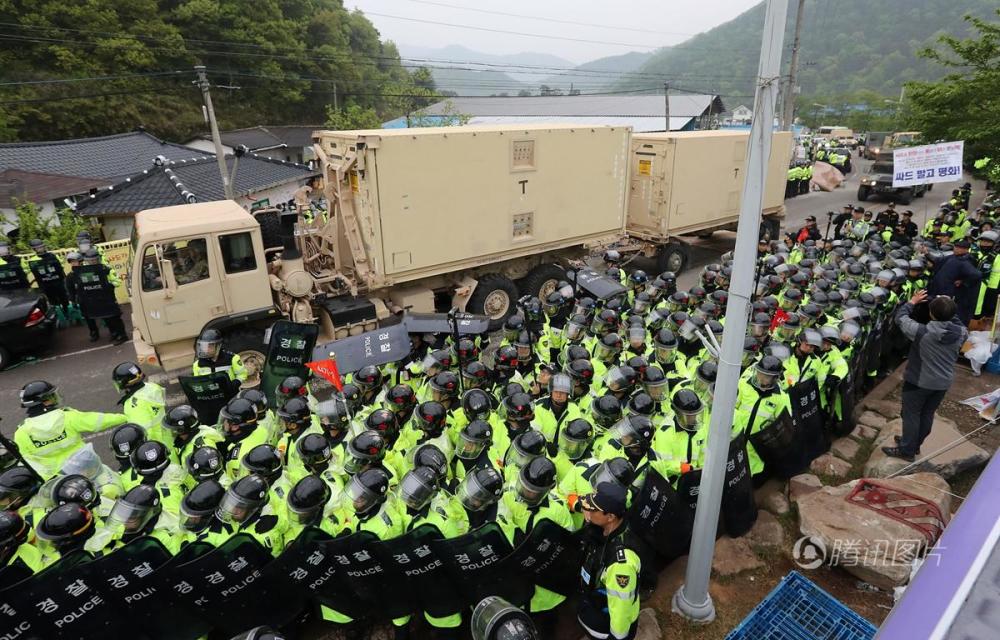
x=83, y=370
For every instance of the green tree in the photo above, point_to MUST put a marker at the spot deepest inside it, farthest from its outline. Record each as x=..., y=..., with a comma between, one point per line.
x=352, y=117
x=963, y=105
x=58, y=232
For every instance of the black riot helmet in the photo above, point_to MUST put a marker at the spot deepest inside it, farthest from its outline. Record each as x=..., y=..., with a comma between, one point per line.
x=204, y=463
x=535, y=480
x=368, y=490
x=17, y=486
x=766, y=373
x=239, y=419
x=418, y=487
x=430, y=456
x=607, y=410
x=384, y=422
x=263, y=460
x=687, y=408
x=520, y=411
x=66, y=527
x=401, y=399
x=39, y=397
x=257, y=398
x=13, y=533
x=127, y=377
x=641, y=404
x=475, y=375
x=73, y=488
x=654, y=382
x=476, y=404
x=307, y=499
x=290, y=387
x=525, y=447
x=444, y=387
x=615, y=470
x=467, y=350
x=181, y=420
x=314, y=451
x=244, y=499
x=124, y=440
x=208, y=346
x=364, y=450
x=430, y=418
x=575, y=438
x=137, y=509
x=199, y=505
x=368, y=378
x=480, y=488
x=473, y=439
x=150, y=459
x=634, y=433
x=351, y=394
x=333, y=418
x=294, y=416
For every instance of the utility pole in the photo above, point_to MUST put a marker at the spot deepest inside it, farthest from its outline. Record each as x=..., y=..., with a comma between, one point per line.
x=666, y=105
x=335, y=108
x=220, y=154
x=692, y=600
x=788, y=113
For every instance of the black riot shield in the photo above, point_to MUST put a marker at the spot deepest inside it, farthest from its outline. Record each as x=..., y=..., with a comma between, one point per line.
x=225, y=584
x=96, y=294
x=842, y=408
x=362, y=586
x=739, y=509
x=12, y=276
x=473, y=562
x=808, y=418
x=125, y=579
x=24, y=610
x=412, y=557
x=208, y=394
x=551, y=555
x=302, y=571
x=289, y=348
x=660, y=518
x=468, y=324
x=378, y=347
x=48, y=271
x=179, y=597
x=73, y=607
x=777, y=445
x=596, y=284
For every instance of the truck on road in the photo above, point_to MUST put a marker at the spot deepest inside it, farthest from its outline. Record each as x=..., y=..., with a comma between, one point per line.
x=429, y=220
x=878, y=181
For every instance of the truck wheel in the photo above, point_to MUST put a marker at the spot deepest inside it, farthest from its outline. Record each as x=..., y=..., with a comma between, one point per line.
x=906, y=196
x=249, y=346
x=270, y=229
x=863, y=193
x=672, y=257
x=542, y=281
x=495, y=297
x=920, y=191
x=5, y=357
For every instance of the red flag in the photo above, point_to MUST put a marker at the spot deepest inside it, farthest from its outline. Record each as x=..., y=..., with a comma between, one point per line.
x=328, y=370
x=779, y=319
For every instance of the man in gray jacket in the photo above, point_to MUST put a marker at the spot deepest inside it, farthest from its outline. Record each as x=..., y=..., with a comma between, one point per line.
x=929, y=370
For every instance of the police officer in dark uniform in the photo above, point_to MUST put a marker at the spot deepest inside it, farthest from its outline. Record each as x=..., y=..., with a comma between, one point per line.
x=92, y=287
x=609, y=578
x=12, y=276
x=49, y=275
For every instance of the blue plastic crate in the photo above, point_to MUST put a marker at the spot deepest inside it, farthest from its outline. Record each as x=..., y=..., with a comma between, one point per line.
x=799, y=610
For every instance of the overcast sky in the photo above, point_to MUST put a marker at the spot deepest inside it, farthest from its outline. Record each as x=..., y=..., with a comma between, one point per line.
x=628, y=25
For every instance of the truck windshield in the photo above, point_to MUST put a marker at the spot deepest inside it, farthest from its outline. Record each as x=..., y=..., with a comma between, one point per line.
x=882, y=167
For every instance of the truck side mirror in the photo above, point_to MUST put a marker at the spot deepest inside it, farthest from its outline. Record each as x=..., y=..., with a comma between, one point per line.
x=170, y=283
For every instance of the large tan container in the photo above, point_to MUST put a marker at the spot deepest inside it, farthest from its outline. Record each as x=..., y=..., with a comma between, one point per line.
x=434, y=200
x=686, y=182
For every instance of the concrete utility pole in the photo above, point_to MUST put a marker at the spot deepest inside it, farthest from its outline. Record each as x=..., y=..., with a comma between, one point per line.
x=666, y=105
x=692, y=600
x=788, y=113
x=220, y=154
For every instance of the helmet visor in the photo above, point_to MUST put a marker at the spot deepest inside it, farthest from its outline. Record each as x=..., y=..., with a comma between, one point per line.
x=625, y=434
x=304, y=517
x=573, y=448
x=132, y=517
x=530, y=493
x=603, y=474
x=764, y=380
x=193, y=520
x=665, y=355
x=468, y=448
x=415, y=492
x=473, y=495
x=235, y=508
x=362, y=498
x=656, y=390
x=517, y=457
x=207, y=349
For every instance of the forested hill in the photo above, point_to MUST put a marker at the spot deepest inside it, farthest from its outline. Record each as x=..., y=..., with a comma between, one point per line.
x=846, y=46
x=272, y=61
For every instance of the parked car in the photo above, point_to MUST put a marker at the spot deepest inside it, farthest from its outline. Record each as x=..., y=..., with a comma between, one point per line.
x=27, y=323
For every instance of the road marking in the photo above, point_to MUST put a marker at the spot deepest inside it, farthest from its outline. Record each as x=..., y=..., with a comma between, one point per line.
x=81, y=352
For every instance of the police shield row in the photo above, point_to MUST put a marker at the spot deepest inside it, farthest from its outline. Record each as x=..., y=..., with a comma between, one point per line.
x=85, y=294
x=577, y=452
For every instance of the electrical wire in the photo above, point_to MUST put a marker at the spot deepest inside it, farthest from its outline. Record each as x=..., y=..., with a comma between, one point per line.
x=151, y=74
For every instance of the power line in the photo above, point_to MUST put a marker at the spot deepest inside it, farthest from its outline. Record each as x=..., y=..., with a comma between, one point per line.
x=555, y=20
x=151, y=74
x=87, y=96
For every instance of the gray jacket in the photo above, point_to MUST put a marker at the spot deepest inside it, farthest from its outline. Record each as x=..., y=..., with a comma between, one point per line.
x=934, y=350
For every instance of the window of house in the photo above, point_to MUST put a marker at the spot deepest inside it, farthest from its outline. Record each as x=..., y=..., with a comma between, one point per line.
x=237, y=252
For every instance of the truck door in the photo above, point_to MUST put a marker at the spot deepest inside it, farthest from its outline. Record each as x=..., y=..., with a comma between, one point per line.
x=181, y=288
x=648, y=191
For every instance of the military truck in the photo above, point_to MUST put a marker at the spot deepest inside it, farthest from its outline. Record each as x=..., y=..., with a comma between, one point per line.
x=428, y=220
x=878, y=181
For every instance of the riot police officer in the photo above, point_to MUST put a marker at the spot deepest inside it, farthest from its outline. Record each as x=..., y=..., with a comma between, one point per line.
x=12, y=276
x=211, y=357
x=92, y=287
x=50, y=276
x=143, y=402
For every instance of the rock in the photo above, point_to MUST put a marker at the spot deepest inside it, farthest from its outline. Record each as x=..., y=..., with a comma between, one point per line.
x=771, y=496
x=766, y=532
x=867, y=544
x=845, y=448
x=864, y=432
x=734, y=555
x=873, y=420
x=829, y=465
x=888, y=409
x=802, y=485
x=948, y=464
x=648, y=627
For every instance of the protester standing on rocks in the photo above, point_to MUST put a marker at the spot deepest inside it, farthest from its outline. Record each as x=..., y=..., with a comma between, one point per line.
x=930, y=369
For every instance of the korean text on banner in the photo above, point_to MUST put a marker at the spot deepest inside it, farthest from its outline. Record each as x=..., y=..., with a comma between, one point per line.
x=926, y=164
